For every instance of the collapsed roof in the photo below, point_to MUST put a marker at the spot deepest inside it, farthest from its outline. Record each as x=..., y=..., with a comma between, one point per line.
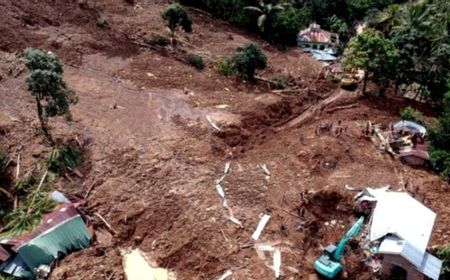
x=405, y=225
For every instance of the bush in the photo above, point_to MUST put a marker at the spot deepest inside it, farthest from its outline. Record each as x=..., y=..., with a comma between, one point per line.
x=158, y=40
x=281, y=82
x=176, y=15
x=196, y=61
x=225, y=67
x=61, y=158
x=247, y=59
x=411, y=114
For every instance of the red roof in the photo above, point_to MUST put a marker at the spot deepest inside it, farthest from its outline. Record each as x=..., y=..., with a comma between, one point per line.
x=63, y=213
x=417, y=153
x=315, y=34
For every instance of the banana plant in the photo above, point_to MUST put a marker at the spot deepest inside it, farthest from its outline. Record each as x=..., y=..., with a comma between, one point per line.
x=266, y=12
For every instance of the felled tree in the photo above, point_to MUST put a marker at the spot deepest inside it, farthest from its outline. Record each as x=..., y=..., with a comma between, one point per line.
x=247, y=59
x=47, y=86
x=373, y=53
x=175, y=15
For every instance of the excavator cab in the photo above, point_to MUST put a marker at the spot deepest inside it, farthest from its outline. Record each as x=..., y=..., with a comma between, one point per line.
x=329, y=263
x=325, y=265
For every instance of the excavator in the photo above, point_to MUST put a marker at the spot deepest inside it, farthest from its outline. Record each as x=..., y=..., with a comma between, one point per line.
x=329, y=263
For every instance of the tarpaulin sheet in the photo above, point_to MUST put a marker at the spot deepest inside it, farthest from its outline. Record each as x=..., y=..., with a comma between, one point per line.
x=68, y=236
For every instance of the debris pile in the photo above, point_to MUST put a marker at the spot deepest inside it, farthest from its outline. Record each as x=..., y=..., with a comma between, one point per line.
x=405, y=139
x=60, y=232
x=399, y=231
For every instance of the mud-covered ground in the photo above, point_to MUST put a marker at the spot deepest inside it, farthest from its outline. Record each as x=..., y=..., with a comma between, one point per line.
x=153, y=158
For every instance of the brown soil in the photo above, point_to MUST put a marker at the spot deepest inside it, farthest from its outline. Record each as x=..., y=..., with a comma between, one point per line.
x=153, y=158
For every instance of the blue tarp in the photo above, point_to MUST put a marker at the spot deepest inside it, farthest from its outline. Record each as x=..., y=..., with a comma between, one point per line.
x=322, y=55
x=409, y=125
x=72, y=235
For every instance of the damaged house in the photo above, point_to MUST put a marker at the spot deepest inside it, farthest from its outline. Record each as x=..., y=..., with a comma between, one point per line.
x=60, y=232
x=401, y=228
x=316, y=38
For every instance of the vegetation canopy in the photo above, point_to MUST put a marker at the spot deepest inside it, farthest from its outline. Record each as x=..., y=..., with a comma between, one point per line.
x=46, y=84
x=175, y=15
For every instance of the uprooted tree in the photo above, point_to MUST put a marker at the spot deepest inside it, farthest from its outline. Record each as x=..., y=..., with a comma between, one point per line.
x=46, y=84
x=175, y=15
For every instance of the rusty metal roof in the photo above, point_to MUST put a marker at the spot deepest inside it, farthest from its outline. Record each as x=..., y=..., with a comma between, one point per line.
x=61, y=214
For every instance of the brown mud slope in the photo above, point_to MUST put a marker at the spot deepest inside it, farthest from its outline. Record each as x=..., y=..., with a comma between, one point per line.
x=152, y=158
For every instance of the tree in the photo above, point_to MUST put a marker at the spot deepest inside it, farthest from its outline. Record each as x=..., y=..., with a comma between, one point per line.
x=266, y=13
x=175, y=15
x=47, y=86
x=287, y=24
x=439, y=140
x=389, y=18
x=246, y=60
x=373, y=53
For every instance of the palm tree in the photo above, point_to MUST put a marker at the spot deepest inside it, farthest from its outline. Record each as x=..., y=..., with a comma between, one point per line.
x=266, y=13
x=389, y=18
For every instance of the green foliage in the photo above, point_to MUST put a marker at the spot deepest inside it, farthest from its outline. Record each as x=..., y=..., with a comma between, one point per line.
x=424, y=45
x=225, y=67
x=61, y=158
x=287, y=23
x=176, y=15
x=3, y=161
x=280, y=81
x=339, y=26
x=373, y=53
x=266, y=13
x=46, y=84
x=247, y=59
x=439, y=140
x=444, y=254
x=158, y=40
x=196, y=61
x=6, y=277
x=28, y=214
x=411, y=114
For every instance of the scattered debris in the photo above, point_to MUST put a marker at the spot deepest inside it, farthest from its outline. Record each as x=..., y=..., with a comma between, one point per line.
x=236, y=221
x=265, y=169
x=58, y=197
x=137, y=267
x=208, y=118
x=262, y=223
x=277, y=262
x=227, y=274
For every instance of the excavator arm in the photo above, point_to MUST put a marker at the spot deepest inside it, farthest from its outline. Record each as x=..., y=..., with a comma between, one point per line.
x=354, y=230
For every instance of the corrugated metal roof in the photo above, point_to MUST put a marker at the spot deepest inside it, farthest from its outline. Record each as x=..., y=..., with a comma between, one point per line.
x=63, y=213
x=399, y=214
x=431, y=266
x=409, y=125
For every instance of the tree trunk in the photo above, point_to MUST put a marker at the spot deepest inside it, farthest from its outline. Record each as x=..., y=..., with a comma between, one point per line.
x=366, y=76
x=42, y=121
